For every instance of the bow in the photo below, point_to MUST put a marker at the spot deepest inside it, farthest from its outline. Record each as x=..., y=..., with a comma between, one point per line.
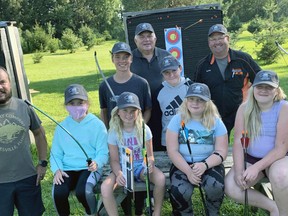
x=89, y=160
x=281, y=48
x=281, y=51
x=245, y=143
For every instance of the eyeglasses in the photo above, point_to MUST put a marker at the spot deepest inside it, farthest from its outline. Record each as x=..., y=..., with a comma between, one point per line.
x=195, y=100
x=214, y=40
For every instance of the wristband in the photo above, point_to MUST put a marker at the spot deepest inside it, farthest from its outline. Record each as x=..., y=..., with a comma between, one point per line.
x=206, y=164
x=216, y=153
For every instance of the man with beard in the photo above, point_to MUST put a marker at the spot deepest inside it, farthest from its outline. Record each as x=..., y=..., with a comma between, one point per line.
x=19, y=179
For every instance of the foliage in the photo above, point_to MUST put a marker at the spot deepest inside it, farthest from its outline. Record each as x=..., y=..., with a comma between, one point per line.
x=88, y=37
x=37, y=57
x=70, y=41
x=53, y=45
x=234, y=24
x=256, y=25
x=268, y=52
x=35, y=40
x=272, y=31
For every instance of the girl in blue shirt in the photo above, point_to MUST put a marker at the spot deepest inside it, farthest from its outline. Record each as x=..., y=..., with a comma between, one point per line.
x=68, y=162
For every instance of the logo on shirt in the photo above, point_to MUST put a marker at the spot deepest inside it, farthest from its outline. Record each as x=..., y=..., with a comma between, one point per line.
x=173, y=106
x=11, y=132
x=237, y=72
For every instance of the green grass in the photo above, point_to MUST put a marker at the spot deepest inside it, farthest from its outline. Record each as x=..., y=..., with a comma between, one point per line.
x=57, y=71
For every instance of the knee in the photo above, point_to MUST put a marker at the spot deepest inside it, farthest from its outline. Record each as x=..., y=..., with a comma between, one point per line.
x=230, y=187
x=160, y=180
x=278, y=177
x=62, y=193
x=177, y=193
x=106, y=189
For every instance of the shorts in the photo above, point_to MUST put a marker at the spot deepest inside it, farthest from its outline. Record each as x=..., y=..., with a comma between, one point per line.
x=24, y=194
x=252, y=160
x=138, y=167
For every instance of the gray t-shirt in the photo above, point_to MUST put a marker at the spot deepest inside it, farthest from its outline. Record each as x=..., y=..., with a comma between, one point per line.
x=222, y=64
x=16, y=119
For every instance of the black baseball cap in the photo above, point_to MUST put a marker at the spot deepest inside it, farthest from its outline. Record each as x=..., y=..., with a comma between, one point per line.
x=266, y=77
x=199, y=90
x=143, y=27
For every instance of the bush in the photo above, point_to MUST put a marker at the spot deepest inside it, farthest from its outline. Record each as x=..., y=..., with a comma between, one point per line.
x=88, y=37
x=269, y=52
x=36, y=40
x=255, y=25
x=37, y=57
x=53, y=45
x=70, y=41
x=234, y=23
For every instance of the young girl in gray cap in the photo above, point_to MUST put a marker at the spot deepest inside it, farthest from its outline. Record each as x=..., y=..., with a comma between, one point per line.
x=68, y=162
x=126, y=131
x=264, y=119
x=197, y=144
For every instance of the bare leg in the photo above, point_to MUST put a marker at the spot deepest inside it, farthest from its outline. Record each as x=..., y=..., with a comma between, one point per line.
x=158, y=179
x=255, y=198
x=278, y=176
x=107, y=188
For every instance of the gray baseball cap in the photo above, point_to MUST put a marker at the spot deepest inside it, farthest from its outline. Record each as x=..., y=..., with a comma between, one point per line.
x=217, y=28
x=266, y=77
x=128, y=99
x=169, y=63
x=143, y=27
x=75, y=91
x=121, y=47
x=199, y=90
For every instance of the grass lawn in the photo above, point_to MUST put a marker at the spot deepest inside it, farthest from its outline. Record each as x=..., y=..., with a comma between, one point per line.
x=57, y=71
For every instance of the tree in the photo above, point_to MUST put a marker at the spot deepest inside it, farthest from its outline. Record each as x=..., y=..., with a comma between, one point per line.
x=70, y=41
x=245, y=9
x=135, y=5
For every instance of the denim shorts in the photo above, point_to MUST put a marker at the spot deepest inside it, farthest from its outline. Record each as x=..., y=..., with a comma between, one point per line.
x=138, y=167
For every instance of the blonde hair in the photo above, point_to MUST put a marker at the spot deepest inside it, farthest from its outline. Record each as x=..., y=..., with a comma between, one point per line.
x=252, y=112
x=116, y=125
x=209, y=114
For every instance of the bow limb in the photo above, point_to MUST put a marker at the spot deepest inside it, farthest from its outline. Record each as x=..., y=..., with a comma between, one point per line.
x=281, y=48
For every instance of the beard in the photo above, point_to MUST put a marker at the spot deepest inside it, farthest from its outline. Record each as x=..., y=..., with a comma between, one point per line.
x=6, y=98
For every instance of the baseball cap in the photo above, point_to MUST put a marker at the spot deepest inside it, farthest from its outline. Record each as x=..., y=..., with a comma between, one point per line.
x=75, y=91
x=128, y=99
x=266, y=77
x=121, y=47
x=143, y=27
x=169, y=63
x=217, y=28
x=199, y=90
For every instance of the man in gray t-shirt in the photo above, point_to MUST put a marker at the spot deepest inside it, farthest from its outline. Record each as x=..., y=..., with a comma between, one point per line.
x=19, y=179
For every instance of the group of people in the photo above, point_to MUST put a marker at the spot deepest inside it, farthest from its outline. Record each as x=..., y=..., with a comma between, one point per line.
x=229, y=90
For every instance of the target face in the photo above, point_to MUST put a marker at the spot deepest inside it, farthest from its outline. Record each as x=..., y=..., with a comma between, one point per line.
x=175, y=51
x=173, y=36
